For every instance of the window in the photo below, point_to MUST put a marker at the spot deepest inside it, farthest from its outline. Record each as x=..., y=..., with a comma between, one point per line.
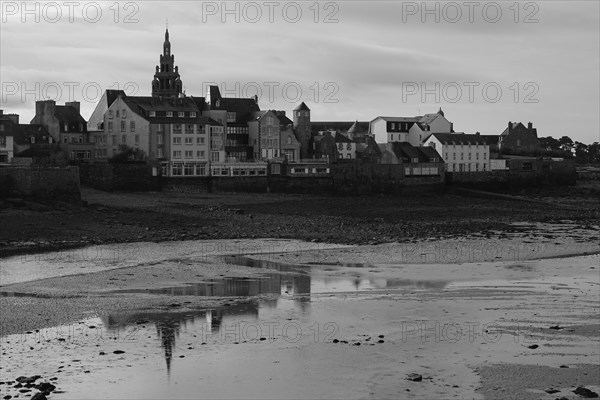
x=454, y=156
x=177, y=170
x=169, y=113
x=114, y=140
x=181, y=114
x=189, y=140
x=193, y=114
x=200, y=153
x=124, y=113
x=214, y=156
x=110, y=114
x=160, y=139
x=200, y=140
x=117, y=113
x=189, y=128
x=188, y=169
x=177, y=154
x=152, y=113
x=159, y=153
x=189, y=154
x=137, y=139
x=122, y=126
x=176, y=140
x=123, y=138
x=110, y=126
x=230, y=116
x=200, y=129
x=32, y=139
x=132, y=126
x=200, y=169
x=80, y=139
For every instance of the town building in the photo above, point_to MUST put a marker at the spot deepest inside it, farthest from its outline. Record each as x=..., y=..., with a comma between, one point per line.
x=409, y=129
x=461, y=152
x=67, y=127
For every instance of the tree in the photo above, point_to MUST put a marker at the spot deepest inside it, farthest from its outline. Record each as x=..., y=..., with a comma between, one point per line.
x=566, y=143
x=127, y=154
x=549, y=143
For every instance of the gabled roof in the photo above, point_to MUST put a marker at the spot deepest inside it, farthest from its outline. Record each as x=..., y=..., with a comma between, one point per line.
x=514, y=125
x=302, y=107
x=491, y=139
x=459, y=138
x=428, y=118
x=22, y=133
x=429, y=152
x=399, y=119
x=68, y=114
x=406, y=150
x=339, y=126
x=112, y=95
x=284, y=120
x=341, y=138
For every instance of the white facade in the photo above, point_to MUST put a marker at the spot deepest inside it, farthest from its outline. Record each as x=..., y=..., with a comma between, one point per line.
x=413, y=130
x=189, y=149
x=121, y=127
x=460, y=156
x=346, y=150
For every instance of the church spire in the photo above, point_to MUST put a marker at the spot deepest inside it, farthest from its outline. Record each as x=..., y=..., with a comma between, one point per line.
x=166, y=81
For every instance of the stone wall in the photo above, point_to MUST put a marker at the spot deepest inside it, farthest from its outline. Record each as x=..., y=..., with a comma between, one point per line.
x=41, y=183
x=125, y=177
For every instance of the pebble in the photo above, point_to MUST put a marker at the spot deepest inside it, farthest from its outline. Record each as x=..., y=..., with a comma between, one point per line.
x=414, y=377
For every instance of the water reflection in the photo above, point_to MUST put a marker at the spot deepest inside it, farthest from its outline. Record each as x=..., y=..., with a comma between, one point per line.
x=169, y=324
x=284, y=280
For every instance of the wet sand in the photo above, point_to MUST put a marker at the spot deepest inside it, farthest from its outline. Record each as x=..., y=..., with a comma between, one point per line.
x=465, y=326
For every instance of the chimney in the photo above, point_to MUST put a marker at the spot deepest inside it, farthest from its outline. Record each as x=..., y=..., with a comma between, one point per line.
x=44, y=107
x=509, y=126
x=256, y=98
x=477, y=133
x=529, y=125
x=14, y=118
x=74, y=104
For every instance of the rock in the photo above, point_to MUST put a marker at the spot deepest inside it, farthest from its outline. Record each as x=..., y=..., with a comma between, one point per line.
x=414, y=377
x=118, y=352
x=585, y=392
x=102, y=353
x=45, y=387
x=564, y=366
x=39, y=396
x=551, y=391
x=28, y=379
x=555, y=327
x=533, y=346
x=335, y=341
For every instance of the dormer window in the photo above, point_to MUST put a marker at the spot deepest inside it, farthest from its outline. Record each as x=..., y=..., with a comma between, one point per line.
x=181, y=114
x=152, y=113
x=169, y=113
x=193, y=114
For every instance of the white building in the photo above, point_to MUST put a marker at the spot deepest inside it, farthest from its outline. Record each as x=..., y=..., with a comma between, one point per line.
x=461, y=152
x=409, y=129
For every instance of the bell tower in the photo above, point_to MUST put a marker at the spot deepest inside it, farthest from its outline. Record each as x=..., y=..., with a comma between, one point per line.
x=167, y=82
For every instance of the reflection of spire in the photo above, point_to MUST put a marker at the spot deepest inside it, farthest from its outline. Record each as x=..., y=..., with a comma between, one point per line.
x=166, y=331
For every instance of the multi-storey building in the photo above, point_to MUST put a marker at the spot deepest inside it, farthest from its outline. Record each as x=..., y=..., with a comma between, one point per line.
x=409, y=129
x=67, y=127
x=461, y=152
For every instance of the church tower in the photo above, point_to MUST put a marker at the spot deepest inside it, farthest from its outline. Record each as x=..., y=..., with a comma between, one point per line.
x=167, y=82
x=303, y=128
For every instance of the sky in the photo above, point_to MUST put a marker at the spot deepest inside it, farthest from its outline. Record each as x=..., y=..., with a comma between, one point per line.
x=483, y=63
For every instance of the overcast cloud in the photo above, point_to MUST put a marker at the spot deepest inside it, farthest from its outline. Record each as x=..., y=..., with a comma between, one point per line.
x=375, y=60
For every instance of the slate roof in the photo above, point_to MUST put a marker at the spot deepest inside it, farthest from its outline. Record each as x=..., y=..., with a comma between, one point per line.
x=68, y=114
x=459, y=138
x=430, y=153
x=340, y=126
x=340, y=138
x=302, y=107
